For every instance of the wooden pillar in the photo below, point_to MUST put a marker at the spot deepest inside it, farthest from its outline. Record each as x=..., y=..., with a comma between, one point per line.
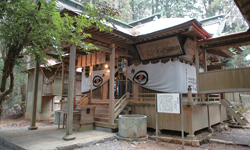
x=209, y=120
x=91, y=84
x=34, y=105
x=111, y=86
x=63, y=67
x=126, y=88
x=190, y=123
x=69, y=126
x=205, y=59
x=196, y=49
x=208, y=116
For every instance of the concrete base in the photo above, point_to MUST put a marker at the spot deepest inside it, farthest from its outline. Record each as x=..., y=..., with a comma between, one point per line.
x=32, y=127
x=131, y=139
x=69, y=137
x=50, y=138
x=105, y=129
x=191, y=136
x=211, y=130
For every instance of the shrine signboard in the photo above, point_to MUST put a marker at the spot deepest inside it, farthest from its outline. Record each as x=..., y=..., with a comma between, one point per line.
x=167, y=47
x=168, y=103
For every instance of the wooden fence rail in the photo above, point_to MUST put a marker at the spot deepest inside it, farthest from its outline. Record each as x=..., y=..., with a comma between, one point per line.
x=229, y=80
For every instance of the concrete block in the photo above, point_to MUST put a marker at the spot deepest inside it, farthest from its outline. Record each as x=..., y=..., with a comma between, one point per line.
x=86, y=144
x=99, y=140
x=110, y=138
x=105, y=129
x=195, y=143
x=68, y=147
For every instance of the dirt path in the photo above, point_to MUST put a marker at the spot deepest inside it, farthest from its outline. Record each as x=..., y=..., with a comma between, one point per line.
x=10, y=122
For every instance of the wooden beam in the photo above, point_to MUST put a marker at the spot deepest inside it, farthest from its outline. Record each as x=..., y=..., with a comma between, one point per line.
x=243, y=35
x=205, y=59
x=230, y=44
x=196, y=49
x=100, y=48
x=241, y=10
x=124, y=54
x=108, y=41
x=245, y=5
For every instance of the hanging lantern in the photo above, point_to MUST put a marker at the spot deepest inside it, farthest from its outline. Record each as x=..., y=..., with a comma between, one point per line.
x=87, y=71
x=122, y=65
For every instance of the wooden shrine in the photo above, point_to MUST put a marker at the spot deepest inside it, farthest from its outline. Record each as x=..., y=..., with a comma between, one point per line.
x=185, y=42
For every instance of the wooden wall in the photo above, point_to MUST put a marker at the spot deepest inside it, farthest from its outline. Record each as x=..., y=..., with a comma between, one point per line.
x=195, y=118
x=230, y=80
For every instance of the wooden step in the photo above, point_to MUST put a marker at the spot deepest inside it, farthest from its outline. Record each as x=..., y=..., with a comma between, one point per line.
x=102, y=110
x=102, y=106
x=102, y=119
x=106, y=125
x=117, y=121
x=101, y=114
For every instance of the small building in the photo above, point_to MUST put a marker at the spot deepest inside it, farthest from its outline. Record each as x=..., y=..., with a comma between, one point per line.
x=165, y=55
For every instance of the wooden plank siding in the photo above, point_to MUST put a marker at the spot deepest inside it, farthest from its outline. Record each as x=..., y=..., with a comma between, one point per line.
x=230, y=80
x=194, y=118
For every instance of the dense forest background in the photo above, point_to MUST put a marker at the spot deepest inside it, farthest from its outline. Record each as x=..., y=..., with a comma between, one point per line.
x=138, y=9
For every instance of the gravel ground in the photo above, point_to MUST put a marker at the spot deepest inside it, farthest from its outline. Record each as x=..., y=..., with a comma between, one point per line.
x=152, y=145
x=4, y=148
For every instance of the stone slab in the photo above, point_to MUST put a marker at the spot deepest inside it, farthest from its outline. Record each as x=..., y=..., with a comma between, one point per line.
x=50, y=138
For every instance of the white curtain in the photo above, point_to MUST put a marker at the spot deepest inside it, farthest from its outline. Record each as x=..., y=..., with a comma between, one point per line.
x=164, y=77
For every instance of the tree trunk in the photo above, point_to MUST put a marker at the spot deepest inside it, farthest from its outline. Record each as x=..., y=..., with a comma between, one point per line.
x=153, y=10
x=157, y=5
x=133, y=10
x=8, y=71
x=1, y=109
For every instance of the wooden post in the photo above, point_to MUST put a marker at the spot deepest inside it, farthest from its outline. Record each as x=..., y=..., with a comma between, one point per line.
x=190, y=123
x=126, y=88
x=70, y=100
x=34, y=105
x=91, y=84
x=111, y=86
x=208, y=116
x=196, y=49
x=209, y=120
x=190, y=99
x=205, y=59
x=63, y=67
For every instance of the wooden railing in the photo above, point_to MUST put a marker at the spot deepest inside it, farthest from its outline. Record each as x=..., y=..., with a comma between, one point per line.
x=84, y=100
x=121, y=104
x=229, y=80
x=141, y=96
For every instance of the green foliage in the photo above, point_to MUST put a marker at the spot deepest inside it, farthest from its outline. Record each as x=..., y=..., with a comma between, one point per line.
x=29, y=28
x=40, y=27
